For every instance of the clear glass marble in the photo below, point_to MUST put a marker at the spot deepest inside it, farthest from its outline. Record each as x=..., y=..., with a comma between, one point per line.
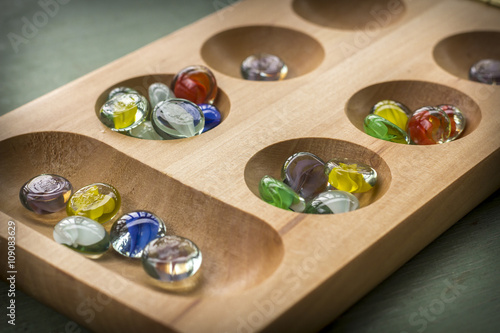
x=83, y=235
x=212, y=116
x=46, y=193
x=263, y=67
x=332, y=202
x=171, y=259
x=395, y=112
x=382, y=128
x=196, y=84
x=99, y=202
x=177, y=118
x=486, y=71
x=145, y=131
x=124, y=111
x=121, y=90
x=304, y=173
x=133, y=231
x=429, y=125
x=159, y=92
x=350, y=176
x=457, y=120
x=280, y=195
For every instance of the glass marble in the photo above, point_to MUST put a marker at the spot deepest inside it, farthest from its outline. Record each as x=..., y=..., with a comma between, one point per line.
x=119, y=90
x=350, y=176
x=46, y=193
x=304, y=173
x=159, y=92
x=145, y=131
x=457, y=120
x=171, y=258
x=279, y=194
x=133, y=231
x=196, y=84
x=99, y=202
x=382, y=128
x=429, y=125
x=332, y=202
x=124, y=112
x=486, y=71
x=395, y=112
x=177, y=118
x=263, y=67
x=83, y=235
x=212, y=116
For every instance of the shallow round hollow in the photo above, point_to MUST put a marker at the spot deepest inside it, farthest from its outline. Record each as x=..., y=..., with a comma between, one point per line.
x=142, y=83
x=226, y=50
x=269, y=161
x=413, y=94
x=456, y=54
x=365, y=15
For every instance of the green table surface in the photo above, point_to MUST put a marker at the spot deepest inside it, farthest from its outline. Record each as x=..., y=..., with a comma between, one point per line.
x=453, y=285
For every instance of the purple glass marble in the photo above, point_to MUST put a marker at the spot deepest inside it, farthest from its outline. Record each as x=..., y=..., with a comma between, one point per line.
x=486, y=71
x=263, y=67
x=212, y=116
x=46, y=194
x=304, y=173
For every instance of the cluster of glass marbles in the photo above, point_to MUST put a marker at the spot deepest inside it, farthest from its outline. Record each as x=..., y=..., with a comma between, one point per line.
x=263, y=67
x=310, y=185
x=392, y=121
x=181, y=111
x=485, y=71
x=137, y=234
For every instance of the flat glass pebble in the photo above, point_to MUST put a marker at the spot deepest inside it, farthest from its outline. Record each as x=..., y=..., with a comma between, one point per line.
x=177, y=118
x=83, y=235
x=332, y=202
x=350, y=176
x=119, y=90
x=486, y=71
x=133, y=231
x=145, y=131
x=429, y=125
x=171, y=259
x=279, y=194
x=159, y=92
x=395, y=112
x=457, y=120
x=99, y=202
x=124, y=112
x=212, y=116
x=45, y=194
x=196, y=84
x=382, y=128
x=263, y=67
x=304, y=173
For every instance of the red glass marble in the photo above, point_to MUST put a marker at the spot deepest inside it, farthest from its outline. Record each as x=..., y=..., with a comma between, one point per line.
x=429, y=125
x=196, y=84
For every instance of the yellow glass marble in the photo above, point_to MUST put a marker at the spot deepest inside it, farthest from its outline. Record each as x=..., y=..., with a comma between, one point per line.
x=395, y=112
x=99, y=202
x=124, y=111
x=348, y=178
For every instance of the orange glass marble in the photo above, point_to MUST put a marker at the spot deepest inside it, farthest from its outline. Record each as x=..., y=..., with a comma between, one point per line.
x=196, y=84
x=429, y=125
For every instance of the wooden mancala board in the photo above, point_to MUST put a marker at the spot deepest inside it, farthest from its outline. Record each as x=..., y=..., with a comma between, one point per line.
x=264, y=268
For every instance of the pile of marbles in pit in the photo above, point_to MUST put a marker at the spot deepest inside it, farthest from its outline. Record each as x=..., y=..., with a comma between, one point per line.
x=485, y=71
x=392, y=121
x=310, y=185
x=184, y=110
x=139, y=234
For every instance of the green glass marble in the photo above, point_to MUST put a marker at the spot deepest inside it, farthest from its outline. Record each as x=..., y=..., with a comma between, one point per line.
x=83, y=235
x=279, y=194
x=332, y=202
x=381, y=128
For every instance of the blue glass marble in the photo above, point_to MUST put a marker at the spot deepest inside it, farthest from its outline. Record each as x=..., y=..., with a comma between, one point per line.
x=212, y=116
x=133, y=231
